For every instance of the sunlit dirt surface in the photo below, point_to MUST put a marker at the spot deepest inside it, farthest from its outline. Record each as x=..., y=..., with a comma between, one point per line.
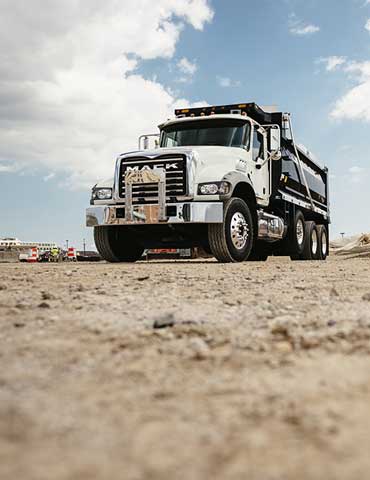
x=260, y=370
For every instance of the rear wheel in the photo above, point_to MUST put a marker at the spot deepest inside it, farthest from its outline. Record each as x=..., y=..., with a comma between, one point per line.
x=232, y=240
x=323, y=241
x=297, y=236
x=311, y=249
x=117, y=244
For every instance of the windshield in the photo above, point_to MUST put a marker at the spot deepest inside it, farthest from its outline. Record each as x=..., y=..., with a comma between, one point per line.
x=224, y=133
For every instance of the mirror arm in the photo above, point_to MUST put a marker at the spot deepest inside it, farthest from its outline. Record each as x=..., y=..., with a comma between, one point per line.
x=270, y=156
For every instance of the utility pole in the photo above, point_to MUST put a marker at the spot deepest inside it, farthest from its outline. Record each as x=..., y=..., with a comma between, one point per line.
x=67, y=245
x=84, y=243
x=342, y=233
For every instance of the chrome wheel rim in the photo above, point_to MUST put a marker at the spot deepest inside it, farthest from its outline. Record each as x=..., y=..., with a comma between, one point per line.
x=300, y=232
x=314, y=242
x=239, y=230
x=324, y=244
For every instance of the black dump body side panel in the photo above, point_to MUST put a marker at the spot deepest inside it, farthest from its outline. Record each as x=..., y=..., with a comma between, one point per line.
x=287, y=177
x=286, y=174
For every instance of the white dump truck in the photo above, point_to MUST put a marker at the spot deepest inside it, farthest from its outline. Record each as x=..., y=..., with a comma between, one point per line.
x=230, y=179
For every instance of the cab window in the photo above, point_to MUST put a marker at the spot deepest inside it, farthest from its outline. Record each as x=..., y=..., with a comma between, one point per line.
x=257, y=147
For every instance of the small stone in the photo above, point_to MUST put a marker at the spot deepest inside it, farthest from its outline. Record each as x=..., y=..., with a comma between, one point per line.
x=165, y=321
x=21, y=306
x=19, y=325
x=310, y=341
x=284, y=347
x=141, y=279
x=332, y=323
x=198, y=348
x=69, y=273
x=334, y=292
x=3, y=286
x=281, y=326
x=44, y=305
x=47, y=296
x=366, y=297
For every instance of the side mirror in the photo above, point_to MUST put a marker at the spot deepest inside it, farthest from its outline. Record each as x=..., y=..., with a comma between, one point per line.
x=144, y=141
x=275, y=143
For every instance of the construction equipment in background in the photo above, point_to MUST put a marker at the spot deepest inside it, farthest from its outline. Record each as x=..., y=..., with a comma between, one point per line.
x=33, y=257
x=71, y=254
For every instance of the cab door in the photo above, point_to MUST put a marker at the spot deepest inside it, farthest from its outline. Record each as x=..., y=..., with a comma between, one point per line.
x=260, y=174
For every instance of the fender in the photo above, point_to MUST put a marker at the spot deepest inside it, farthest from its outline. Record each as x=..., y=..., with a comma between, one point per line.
x=237, y=178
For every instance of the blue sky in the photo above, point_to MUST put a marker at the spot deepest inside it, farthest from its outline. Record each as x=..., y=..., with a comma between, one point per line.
x=68, y=111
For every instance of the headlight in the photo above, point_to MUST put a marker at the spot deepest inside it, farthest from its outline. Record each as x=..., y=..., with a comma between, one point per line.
x=215, y=188
x=102, y=194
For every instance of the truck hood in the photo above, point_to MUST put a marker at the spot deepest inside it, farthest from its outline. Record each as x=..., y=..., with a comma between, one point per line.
x=207, y=163
x=210, y=163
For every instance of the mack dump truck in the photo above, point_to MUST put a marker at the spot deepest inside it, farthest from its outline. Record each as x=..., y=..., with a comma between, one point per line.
x=230, y=179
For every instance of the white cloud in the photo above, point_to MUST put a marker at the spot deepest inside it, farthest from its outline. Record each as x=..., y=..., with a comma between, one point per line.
x=70, y=100
x=187, y=67
x=357, y=174
x=356, y=170
x=299, y=27
x=332, y=63
x=8, y=168
x=227, y=82
x=48, y=177
x=367, y=26
x=355, y=104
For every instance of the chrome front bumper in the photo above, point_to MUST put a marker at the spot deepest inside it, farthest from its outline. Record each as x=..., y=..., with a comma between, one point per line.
x=187, y=212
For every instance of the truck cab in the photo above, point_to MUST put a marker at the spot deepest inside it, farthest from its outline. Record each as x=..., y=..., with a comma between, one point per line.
x=210, y=183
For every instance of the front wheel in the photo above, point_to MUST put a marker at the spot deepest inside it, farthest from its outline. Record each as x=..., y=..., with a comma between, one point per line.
x=117, y=244
x=232, y=240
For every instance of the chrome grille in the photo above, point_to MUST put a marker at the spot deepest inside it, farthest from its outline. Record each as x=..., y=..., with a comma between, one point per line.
x=175, y=167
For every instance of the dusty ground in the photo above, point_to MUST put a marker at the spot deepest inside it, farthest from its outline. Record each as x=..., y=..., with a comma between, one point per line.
x=265, y=373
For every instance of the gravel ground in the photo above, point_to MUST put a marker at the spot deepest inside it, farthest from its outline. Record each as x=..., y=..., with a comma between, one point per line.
x=185, y=370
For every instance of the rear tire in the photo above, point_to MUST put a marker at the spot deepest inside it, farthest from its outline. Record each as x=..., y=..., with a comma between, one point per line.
x=323, y=241
x=232, y=240
x=117, y=244
x=311, y=249
x=297, y=236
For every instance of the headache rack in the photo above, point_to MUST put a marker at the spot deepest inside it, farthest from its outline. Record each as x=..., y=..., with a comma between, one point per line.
x=252, y=110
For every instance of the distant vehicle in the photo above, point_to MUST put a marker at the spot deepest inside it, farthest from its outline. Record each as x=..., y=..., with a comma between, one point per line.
x=230, y=179
x=71, y=255
x=24, y=256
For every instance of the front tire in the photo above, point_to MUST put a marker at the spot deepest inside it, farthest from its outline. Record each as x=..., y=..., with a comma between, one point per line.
x=117, y=244
x=232, y=240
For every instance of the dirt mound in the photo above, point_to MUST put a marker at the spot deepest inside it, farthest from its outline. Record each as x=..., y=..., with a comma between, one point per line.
x=359, y=244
